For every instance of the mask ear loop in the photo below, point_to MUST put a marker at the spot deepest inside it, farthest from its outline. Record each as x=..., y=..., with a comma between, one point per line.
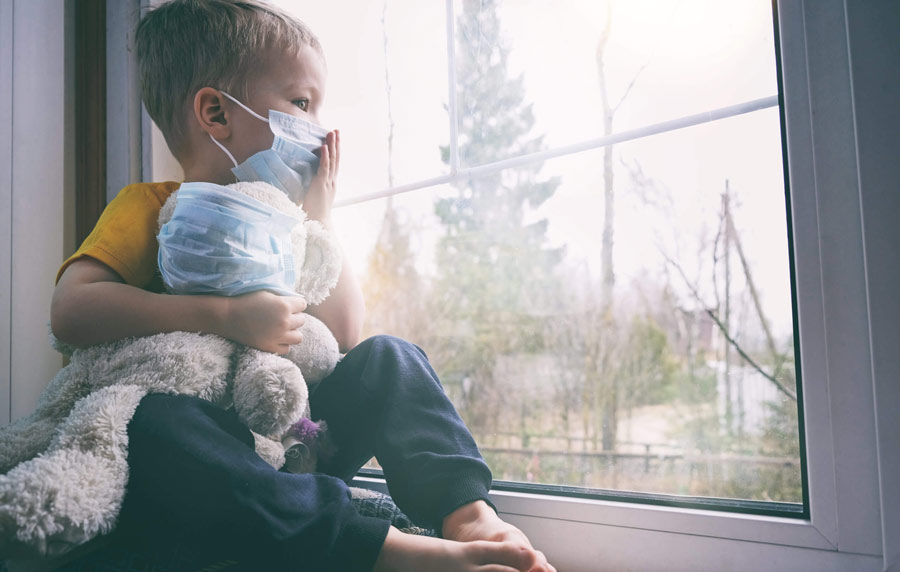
x=247, y=109
x=222, y=147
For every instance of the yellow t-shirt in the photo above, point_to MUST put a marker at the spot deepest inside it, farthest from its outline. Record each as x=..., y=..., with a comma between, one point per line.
x=125, y=236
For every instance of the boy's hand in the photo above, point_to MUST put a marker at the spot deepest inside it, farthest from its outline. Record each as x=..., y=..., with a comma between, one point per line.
x=323, y=187
x=264, y=320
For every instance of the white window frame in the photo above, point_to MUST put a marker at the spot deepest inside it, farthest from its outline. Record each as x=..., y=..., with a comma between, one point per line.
x=854, y=511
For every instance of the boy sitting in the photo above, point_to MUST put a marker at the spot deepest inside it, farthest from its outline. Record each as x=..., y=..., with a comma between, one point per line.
x=193, y=470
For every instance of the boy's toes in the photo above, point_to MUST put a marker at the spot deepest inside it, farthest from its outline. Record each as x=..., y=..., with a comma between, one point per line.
x=506, y=553
x=541, y=564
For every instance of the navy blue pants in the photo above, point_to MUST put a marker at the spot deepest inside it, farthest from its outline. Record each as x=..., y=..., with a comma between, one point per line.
x=194, y=474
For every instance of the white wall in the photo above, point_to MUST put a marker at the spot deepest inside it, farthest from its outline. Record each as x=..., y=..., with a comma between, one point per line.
x=35, y=178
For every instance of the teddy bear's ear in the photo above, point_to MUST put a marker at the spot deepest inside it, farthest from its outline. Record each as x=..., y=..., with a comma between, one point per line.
x=269, y=195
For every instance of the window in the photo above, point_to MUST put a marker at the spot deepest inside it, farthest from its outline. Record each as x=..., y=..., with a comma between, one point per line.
x=607, y=301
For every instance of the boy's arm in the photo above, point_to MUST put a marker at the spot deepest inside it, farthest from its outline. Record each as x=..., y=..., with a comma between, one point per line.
x=92, y=305
x=344, y=310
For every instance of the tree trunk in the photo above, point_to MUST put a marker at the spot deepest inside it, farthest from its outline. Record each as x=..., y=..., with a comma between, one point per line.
x=729, y=412
x=609, y=417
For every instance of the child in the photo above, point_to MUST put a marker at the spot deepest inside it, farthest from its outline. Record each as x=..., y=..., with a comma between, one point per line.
x=193, y=471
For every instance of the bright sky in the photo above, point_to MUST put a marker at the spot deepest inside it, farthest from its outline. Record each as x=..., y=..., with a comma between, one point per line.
x=695, y=55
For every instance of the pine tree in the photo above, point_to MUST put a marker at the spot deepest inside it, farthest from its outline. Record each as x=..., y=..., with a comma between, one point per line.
x=493, y=266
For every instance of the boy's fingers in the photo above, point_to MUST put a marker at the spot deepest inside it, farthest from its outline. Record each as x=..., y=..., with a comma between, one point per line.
x=324, y=162
x=332, y=153
x=293, y=337
x=296, y=321
x=296, y=304
x=337, y=150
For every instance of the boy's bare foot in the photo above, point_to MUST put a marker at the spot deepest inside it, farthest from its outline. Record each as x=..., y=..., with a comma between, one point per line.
x=407, y=552
x=477, y=521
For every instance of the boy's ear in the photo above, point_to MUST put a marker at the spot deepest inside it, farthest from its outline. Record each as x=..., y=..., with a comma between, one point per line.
x=210, y=112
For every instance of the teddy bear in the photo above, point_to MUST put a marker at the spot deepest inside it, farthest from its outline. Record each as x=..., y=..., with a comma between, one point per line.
x=270, y=392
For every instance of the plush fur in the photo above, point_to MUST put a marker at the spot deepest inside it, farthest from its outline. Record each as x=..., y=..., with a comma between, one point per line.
x=63, y=469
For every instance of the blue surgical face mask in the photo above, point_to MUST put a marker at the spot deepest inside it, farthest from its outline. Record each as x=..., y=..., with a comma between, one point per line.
x=220, y=241
x=289, y=163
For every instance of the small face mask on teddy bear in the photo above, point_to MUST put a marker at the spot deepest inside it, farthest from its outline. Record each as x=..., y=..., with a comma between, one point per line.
x=289, y=163
x=219, y=241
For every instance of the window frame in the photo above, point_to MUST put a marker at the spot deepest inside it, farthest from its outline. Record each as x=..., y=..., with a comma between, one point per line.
x=845, y=459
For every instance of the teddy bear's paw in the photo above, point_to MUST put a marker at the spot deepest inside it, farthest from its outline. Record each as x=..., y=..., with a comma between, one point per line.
x=269, y=392
x=318, y=353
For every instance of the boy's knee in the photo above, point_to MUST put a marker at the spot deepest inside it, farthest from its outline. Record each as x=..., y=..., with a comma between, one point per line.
x=385, y=343
x=399, y=364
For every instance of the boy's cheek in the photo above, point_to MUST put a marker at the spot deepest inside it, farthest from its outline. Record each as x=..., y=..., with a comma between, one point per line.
x=252, y=143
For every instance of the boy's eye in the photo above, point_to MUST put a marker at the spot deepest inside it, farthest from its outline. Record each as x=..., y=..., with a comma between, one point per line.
x=302, y=104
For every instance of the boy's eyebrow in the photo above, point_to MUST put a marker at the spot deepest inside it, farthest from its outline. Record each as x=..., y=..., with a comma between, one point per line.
x=298, y=86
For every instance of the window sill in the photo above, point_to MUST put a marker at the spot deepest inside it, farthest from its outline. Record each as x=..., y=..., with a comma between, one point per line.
x=584, y=534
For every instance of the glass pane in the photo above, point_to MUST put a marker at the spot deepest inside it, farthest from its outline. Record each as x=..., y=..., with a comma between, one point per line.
x=554, y=70
x=574, y=371
x=369, y=93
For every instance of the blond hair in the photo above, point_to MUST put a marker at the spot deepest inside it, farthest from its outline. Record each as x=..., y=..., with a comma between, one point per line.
x=185, y=45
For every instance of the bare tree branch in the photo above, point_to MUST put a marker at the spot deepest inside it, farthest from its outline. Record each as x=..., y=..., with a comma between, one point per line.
x=643, y=67
x=647, y=189
x=781, y=387
x=631, y=85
